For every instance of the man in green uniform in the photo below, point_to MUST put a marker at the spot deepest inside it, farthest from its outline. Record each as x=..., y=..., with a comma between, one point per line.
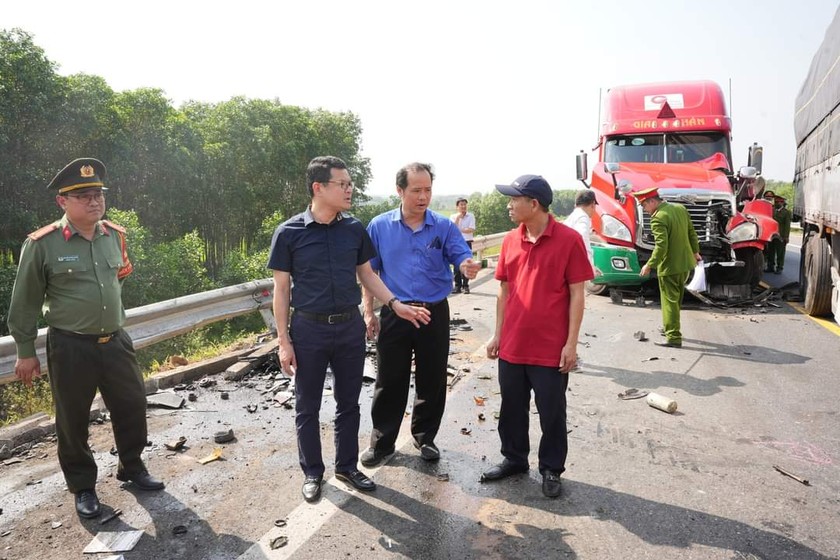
x=675, y=255
x=778, y=246
x=73, y=270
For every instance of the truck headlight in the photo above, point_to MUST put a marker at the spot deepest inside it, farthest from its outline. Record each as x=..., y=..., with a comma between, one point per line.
x=747, y=231
x=614, y=228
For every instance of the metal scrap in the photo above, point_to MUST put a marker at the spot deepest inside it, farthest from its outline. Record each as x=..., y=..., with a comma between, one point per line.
x=793, y=476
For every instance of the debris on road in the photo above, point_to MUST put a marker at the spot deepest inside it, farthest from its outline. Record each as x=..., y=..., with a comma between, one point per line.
x=165, y=399
x=179, y=530
x=481, y=417
x=176, y=445
x=225, y=395
x=479, y=401
x=216, y=455
x=279, y=542
x=443, y=477
x=632, y=394
x=252, y=408
x=280, y=523
x=640, y=336
x=120, y=541
x=651, y=359
x=114, y=514
x=55, y=524
x=662, y=403
x=465, y=431
x=793, y=476
x=223, y=436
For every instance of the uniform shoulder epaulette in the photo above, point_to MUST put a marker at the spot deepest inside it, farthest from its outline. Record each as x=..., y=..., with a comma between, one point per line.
x=112, y=225
x=39, y=233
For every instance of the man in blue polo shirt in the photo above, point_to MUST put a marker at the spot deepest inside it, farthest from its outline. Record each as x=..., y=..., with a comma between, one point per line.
x=415, y=249
x=323, y=250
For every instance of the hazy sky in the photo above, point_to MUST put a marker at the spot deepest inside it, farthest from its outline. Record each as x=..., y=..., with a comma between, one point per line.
x=485, y=91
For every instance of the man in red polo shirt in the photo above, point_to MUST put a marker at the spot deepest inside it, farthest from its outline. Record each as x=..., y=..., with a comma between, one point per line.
x=542, y=269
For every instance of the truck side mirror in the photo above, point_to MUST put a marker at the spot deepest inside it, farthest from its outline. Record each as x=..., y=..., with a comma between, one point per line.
x=747, y=172
x=755, y=156
x=582, y=169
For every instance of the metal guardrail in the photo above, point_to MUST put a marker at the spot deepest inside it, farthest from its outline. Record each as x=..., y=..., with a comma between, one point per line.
x=159, y=321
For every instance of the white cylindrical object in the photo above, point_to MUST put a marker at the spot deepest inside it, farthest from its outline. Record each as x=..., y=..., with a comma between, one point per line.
x=662, y=402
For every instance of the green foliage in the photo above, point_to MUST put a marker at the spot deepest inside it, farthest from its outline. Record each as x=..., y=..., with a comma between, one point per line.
x=8, y=269
x=563, y=203
x=491, y=214
x=366, y=212
x=18, y=401
x=163, y=270
x=781, y=188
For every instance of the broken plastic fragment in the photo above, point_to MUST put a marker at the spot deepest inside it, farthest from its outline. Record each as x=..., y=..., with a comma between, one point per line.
x=466, y=431
x=176, y=444
x=217, y=454
x=279, y=542
x=479, y=401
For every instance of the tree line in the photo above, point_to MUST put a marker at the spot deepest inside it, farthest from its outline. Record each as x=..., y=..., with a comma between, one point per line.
x=197, y=185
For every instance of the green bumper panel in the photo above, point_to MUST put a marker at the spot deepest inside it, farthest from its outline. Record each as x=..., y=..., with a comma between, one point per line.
x=618, y=266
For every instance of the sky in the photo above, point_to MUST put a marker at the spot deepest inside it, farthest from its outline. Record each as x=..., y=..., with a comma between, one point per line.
x=483, y=90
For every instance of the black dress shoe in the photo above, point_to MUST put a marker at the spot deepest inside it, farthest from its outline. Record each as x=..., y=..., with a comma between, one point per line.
x=428, y=451
x=142, y=480
x=372, y=457
x=669, y=344
x=357, y=479
x=87, y=504
x=312, y=488
x=503, y=470
x=551, y=486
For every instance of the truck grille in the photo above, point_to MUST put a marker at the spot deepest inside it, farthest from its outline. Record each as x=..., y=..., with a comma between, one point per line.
x=709, y=218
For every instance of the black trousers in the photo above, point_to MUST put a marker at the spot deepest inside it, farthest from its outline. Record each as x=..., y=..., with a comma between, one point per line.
x=342, y=346
x=549, y=385
x=78, y=366
x=462, y=281
x=398, y=341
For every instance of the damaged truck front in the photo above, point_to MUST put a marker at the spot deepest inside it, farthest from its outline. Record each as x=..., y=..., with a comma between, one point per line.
x=676, y=137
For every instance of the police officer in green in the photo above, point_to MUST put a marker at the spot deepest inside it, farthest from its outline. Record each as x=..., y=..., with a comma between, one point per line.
x=72, y=271
x=776, y=249
x=675, y=255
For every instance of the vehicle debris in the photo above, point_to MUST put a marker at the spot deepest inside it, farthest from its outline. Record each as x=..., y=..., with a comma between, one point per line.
x=216, y=455
x=176, y=445
x=662, y=403
x=165, y=399
x=466, y=431
x=179, y=530
x=793, y=476
x=224, y=436
x=114, y=514
x=119, y=541
x=479, y=401
x=632, y=394
x=279, y=542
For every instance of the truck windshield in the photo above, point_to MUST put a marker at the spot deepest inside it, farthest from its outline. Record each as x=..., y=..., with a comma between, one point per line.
x=666, y=148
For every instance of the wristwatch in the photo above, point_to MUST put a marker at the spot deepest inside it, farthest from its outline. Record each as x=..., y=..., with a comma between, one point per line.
x=390, y=304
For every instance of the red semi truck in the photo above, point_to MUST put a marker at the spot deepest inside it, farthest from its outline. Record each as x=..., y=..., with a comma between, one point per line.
x=676, y=136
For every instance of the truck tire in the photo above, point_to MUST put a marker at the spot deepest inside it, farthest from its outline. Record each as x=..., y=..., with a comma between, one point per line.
x=753, y=265
x=596, y=289
x=815, y=276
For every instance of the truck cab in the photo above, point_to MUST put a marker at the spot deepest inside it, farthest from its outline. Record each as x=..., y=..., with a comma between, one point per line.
x=677, y=137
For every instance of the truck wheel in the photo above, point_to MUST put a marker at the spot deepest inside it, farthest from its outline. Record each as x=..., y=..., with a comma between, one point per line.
x=596, y=289
x=753, y=265
x=815, y=276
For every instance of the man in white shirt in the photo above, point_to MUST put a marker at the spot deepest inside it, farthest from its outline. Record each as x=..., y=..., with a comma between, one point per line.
x=465, y=222
x=580, y=219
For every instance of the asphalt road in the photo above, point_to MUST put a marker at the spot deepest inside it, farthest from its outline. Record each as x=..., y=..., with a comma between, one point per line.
x=755, y=387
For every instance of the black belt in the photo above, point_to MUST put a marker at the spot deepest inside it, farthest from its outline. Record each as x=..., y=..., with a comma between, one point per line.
x=329, y=318
x=103, y=338
x=426, y=304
